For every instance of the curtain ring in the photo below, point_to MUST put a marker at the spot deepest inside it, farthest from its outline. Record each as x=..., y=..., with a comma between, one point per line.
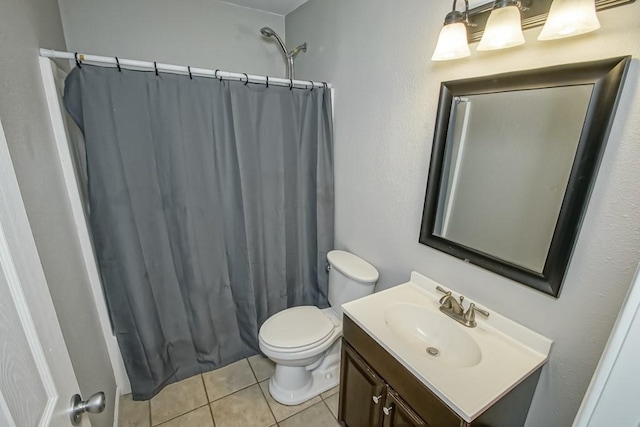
x=290, y=84
x=267, y=81
x=215, y=74
x=155, y=66
x=189, y=69
x=326, y=86
x=247, y=77
x=75, y=55
x=118, y=64
x=312, y=86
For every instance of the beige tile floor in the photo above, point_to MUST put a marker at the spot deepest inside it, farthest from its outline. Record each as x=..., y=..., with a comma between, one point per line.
x=234, y=396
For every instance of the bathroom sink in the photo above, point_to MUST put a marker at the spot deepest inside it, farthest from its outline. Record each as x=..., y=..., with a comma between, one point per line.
x=468, y=368
x=437, y=337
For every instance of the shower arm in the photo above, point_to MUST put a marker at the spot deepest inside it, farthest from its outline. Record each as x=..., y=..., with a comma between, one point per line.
x=291, y=68
x=291, y=57
x=302, y=47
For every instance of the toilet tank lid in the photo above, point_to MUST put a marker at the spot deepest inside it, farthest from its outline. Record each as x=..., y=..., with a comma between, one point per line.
x=353, y=267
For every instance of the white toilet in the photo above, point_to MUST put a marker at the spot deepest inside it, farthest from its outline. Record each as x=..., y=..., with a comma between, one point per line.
x=304, y=342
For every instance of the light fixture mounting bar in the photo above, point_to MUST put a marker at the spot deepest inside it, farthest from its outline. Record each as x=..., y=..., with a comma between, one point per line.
x=534, y=14
x=456, y=16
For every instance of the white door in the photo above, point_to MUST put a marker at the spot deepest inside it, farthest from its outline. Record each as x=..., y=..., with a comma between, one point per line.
x=612, y=397
x=36, y=376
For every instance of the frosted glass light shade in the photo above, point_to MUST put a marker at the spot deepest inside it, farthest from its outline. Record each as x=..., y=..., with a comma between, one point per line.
x=452, y=43
x=503, y=30
x=569, y=18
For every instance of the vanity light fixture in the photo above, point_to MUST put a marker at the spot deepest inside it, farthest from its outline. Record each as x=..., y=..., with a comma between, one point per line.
x=568, y=18
x=504, y=27
x=453, y=40
x=498, y=24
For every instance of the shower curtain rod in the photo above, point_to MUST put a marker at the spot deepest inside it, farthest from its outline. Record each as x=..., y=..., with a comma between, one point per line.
x=180, y=69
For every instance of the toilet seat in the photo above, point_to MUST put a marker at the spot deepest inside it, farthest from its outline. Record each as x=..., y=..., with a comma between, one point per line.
x=296, y=329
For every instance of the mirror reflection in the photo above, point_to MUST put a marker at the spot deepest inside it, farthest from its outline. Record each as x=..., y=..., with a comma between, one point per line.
x=506, y=166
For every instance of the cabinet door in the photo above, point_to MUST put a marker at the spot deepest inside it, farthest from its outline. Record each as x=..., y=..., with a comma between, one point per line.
x=361, y=392
x=397, y=413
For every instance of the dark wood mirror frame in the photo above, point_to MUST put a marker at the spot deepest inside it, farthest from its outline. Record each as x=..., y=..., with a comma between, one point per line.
x=607, y=77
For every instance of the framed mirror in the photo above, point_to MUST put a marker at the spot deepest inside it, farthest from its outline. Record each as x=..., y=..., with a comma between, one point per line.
x=513, y=162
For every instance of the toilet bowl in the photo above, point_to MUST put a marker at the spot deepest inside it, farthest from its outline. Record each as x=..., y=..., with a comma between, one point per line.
x=304, y=342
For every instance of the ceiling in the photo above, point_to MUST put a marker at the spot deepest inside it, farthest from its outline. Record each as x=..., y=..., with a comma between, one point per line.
x=279, y=7
x=284, y=7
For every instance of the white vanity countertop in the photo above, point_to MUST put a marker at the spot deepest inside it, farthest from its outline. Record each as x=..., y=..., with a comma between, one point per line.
x=510, y=351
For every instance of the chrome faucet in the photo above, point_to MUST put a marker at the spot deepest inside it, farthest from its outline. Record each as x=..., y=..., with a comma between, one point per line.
x=455, y=309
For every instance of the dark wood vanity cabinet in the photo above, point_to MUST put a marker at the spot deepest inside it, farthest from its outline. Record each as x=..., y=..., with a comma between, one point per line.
x=397, y=413
x=377, y=391
x=362, y=402
x=368, y=400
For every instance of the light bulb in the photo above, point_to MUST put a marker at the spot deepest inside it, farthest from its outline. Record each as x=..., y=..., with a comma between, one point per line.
x=452, y=43
x=503, y=29
x=568, y=18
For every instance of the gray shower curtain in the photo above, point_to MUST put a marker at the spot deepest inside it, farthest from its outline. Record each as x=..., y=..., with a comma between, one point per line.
x=211, y=208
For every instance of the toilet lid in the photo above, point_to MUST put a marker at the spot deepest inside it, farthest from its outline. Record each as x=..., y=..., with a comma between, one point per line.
x=296, y=327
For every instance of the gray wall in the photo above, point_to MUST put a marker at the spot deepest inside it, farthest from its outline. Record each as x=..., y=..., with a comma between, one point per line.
x=200, y=33
x=377, y=55
x=24, y=27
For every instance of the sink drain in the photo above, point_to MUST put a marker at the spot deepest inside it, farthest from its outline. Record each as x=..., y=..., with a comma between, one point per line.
x=432, y=351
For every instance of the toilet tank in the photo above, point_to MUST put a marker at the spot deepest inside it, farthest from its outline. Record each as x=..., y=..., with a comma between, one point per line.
x=350, y=278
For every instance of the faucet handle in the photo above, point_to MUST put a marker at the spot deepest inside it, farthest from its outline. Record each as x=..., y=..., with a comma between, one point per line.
x=485, y=313
x=441, y=289
x=447, y=295
x=470, y=315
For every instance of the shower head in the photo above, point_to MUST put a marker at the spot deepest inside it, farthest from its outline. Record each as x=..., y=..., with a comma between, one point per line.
x=267, y=32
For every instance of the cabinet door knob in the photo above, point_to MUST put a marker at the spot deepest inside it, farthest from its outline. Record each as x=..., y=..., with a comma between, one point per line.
x=387, y=410
x=376, y=399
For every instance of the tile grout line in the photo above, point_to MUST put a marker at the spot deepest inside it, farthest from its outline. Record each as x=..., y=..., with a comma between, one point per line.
x=151, y=424
x=329, y=409
x=149, y=407
x=185, y=413
x=292, y=415
x=302, y=410
x=322, y=399
x=208, y=403
x=206, y=393
x=204, y=386
x=327, y=403
x=211, y=413
x=262, y=392
x=232, y=393
x=257, y=383
x=268, y=406
x=171, y=419
x=264, y=396
x=254, y=372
